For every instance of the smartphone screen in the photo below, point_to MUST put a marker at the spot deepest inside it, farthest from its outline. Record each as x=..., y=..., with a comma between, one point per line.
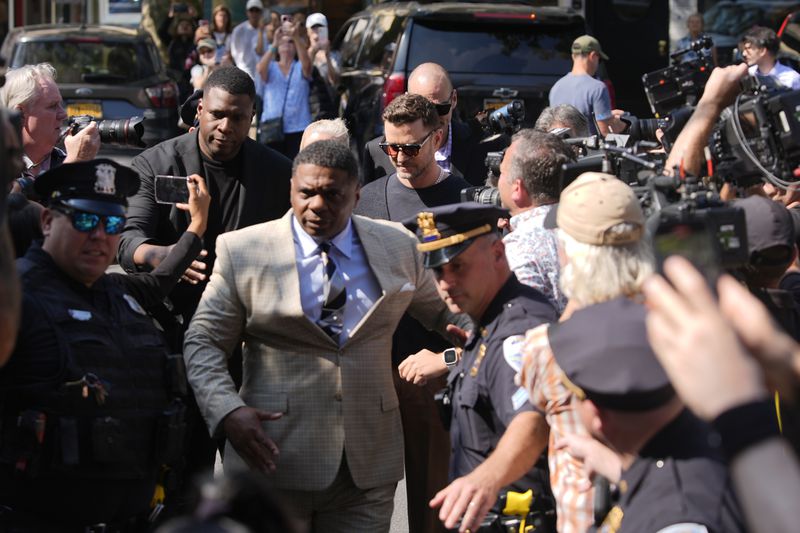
x=171, y=190
x=322, y=33
x=693, y=242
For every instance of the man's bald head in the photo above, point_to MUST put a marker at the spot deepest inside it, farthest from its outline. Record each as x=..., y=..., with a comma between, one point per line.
x=432, y=81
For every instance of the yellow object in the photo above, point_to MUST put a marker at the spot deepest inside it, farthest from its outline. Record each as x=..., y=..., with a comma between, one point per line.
x=158, y=496
x=778, y=411
x=518, y=503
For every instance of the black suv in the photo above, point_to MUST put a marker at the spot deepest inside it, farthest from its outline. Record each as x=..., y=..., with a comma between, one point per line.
x=494, y=53
x=108, y=72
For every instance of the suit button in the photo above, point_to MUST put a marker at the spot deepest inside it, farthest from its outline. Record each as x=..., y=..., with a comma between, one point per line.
x=338, y=396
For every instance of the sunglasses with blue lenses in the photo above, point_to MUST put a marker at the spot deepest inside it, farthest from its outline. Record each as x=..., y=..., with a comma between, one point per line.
x=86, y=222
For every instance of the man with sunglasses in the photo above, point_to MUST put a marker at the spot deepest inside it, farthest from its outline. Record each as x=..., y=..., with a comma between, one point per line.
x=88, y=416
x=413, y=131
x=459, y=151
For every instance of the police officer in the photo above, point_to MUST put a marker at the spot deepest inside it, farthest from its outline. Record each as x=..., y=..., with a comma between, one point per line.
x=89, y=405
x=672, y=477
x=496, y=435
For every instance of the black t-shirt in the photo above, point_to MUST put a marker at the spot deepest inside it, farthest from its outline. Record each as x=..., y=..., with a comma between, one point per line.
x=223, y=179
x=388, y=199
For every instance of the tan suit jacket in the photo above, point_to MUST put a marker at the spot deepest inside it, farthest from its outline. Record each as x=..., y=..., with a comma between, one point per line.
x=333, y=398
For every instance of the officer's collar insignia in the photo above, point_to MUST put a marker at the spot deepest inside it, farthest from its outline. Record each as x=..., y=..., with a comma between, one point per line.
x=80, y=315
x=105, y=179
x=134, y=305
x=428, y=227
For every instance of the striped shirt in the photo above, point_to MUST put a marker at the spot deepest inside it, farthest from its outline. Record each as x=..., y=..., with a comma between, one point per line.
x=542, y=378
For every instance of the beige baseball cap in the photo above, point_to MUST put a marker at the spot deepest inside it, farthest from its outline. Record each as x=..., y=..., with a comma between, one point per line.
x=585, y=44
x=592, y=204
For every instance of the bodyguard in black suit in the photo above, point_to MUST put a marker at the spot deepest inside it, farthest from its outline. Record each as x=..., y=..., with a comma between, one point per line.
x=248, y=183
x=460, y=151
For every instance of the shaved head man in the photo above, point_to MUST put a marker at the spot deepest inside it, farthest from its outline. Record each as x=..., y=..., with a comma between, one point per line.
x=459, y=152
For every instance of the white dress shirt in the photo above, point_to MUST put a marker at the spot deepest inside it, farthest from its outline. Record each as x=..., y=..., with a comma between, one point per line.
x=347, y=252
x=786, y=76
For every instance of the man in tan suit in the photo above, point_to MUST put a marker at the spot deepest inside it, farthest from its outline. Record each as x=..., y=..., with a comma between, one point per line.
x=314, y=297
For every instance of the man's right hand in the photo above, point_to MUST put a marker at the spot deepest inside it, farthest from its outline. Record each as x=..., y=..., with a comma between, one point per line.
x=84, y=145
x=422, y=366
x=244, y=430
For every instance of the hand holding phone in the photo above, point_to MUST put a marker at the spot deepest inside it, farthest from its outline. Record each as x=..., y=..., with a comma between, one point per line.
x=171, y=189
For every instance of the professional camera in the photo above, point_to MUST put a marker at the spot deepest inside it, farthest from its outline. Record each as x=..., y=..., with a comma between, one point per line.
x=681, y=83
x=503, y=122
x=121, y=132
x=758, y=137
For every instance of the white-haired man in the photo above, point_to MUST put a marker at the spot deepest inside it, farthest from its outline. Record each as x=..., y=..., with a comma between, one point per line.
x=604, y=256
x=32, y=91
x=325, y=129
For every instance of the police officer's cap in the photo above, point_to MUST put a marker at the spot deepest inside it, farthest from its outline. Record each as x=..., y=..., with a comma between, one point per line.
x=446, y=231
x=605, y=357
x=100, y=186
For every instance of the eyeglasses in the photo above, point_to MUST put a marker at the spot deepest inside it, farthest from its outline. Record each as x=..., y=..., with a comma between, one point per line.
x=410, y=149
x=86, y=222
x=444, y=108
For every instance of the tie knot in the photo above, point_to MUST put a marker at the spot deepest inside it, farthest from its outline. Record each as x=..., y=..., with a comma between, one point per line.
x=325, y=247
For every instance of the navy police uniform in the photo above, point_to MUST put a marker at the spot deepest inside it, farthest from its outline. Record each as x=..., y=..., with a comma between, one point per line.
x=484, y=397
x=90, y=400
x=678, y=477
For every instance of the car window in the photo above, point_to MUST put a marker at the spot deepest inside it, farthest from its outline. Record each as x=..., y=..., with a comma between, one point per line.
x=384, y=33
x=352, y=42
x=80, y=61
x=493, y=48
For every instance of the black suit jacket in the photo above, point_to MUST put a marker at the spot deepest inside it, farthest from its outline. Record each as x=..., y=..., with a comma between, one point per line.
x=264, y=196
x=467, y=159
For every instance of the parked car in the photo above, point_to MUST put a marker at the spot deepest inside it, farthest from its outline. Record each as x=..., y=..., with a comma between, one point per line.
x=107, y=72
x=494, y=52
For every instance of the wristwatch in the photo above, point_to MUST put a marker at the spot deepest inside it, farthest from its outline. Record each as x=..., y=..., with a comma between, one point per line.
x=450, y=357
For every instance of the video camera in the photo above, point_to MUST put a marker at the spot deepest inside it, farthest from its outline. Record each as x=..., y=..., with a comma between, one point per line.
x=758, y=137
x=503, y=122
x=120, y=132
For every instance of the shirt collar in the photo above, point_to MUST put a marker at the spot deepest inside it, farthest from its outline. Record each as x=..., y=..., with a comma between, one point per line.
x=343, y=241
x=530, y=214
x=444, y=153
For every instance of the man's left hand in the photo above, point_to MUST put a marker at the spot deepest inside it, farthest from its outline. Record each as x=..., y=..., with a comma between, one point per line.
x=468, y=499
x=84, y=145
x=422, y=366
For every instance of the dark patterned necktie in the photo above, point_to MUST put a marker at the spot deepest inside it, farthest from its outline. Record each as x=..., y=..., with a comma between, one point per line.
x=335, y=295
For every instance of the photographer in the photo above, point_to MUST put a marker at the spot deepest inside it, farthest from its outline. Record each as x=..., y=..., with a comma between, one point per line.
x=563, y=116
x=32, y=91
x=529, y=187
x=759, y=48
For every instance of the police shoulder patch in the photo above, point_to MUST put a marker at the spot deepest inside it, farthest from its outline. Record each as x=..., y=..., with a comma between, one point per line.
x=512, y=351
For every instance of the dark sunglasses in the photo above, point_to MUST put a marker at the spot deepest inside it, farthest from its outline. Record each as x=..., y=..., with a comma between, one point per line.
x=86, y=222
x=410, y=149
x=443, y=109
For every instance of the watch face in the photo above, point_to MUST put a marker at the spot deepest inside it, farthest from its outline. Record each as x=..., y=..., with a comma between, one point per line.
x=450, y=356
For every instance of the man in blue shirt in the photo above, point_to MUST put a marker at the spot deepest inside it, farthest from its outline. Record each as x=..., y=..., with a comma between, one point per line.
x=579, y=87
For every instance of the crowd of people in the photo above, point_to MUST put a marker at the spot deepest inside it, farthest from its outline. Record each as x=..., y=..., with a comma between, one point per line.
x=328, y=325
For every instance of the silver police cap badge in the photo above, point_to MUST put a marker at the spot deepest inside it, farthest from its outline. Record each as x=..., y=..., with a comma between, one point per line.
x=105, y=179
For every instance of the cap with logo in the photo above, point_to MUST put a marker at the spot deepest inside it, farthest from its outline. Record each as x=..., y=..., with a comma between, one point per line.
x=207, y=43
x=316, y=19
x=446, y=231
x=769, y=227
x=254, y=4
x=605, y=357
x=100, y=186
x=585, y=44
x=593, y=204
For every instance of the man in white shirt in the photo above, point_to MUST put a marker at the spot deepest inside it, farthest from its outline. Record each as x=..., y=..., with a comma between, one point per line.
x=245, y=38
x=759, y=47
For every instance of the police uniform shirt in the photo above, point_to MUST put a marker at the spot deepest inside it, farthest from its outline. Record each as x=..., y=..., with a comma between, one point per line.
x=485, y=398
x=678, y=479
